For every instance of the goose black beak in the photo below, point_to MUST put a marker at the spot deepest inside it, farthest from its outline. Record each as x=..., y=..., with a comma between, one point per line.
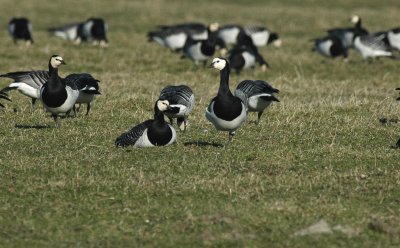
x=63, y=62
x=211, y=65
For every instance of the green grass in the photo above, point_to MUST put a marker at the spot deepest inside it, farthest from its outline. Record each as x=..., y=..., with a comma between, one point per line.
x=318, y=154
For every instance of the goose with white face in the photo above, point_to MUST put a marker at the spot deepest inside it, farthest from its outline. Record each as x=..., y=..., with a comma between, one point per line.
x=163, y=105
x=218, y=64
x=355, y=19
x=56, y=61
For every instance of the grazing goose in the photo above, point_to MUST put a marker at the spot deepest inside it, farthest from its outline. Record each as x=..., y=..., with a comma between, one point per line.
x=346, y=35
x=371, y=46
x=181, y=100
x=174, y=36
x=261, y=36
x=229, y=33
x=225, y=111
x=27, y=82
x=21, y=29
x=4, y=96
x=92, y=30
x=88, y=87
x=330, y=46
x=257, y=94
x=58, y=95
x=245, y=54
x=201, y=50
x=154, y=132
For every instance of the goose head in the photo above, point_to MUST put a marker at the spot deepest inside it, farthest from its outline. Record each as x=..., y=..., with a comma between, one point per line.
x=163, y=105
x=213, y=27
x=355, y=19
x=56, y=61
x=218, y=63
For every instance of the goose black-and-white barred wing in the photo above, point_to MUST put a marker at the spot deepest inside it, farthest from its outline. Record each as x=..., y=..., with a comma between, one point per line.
x=181, y=94
x=129, y=138
x=254, y=29
x=35, y=79
x=375, y=42
x=83, y=82
x=250, y=87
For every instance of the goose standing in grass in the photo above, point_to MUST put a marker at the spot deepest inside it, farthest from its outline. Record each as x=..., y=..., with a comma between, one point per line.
x=257, y=95
x=225, y=111
x=27, y=83
x=20, y=29
x=88, y=88
x=153, y=132
x=4, y=96
x=174, y=36
x=92, y=30
x=330, y=46
x=58, y=95
x=346, y=35
x=181, y=100
x=201, y=50
x=371, y=46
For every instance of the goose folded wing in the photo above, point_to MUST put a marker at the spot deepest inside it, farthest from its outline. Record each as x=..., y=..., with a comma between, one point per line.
x=82, y=82
x=133, y=135
x=375, y=42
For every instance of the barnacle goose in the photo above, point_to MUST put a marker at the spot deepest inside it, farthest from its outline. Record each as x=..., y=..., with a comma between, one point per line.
x=58, y=95
x=4, y=95
x=92, y=30
x=261, y=36
x=88, y=88
x=346, y=35
x=229, y=33
x=174, y=36
x=181, y=100
x=20, y=29
x=225, y=111
x=27, y=82
x=245, y=54
x=201, y=50
x=371, y=46
x=153, y=132
x=257, y=95
x=330, y=46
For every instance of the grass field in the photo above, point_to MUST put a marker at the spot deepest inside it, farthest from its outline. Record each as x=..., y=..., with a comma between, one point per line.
x=319, y=154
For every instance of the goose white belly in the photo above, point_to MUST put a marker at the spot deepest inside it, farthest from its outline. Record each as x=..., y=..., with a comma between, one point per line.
x=70, y=33
x=84, y=98
x=249, y=60
x=257, y=104
x=175, y=41
x=26, y=89
x=194, y=52
x=260, y=38
x=324, y=47
x=229, y=35
x=394, y=40
x=226, y=125
x=144, y=141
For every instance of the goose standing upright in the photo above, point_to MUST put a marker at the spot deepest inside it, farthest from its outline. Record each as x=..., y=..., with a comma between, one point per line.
x=58, y=95
x=21, y=29
x=88, y=88
x=153, y=132
x=225, y=111
x=257, y=94
x=181, y=100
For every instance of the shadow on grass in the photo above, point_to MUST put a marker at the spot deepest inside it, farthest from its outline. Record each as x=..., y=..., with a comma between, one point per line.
x=31, y=126
x=202, y=143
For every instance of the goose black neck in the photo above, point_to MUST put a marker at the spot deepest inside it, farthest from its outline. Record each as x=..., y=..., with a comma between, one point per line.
x=52, y=70
x=224, y=81
x=358, y=24
x=158, y=115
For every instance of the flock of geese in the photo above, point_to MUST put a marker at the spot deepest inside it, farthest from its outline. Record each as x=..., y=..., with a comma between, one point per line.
x=227, y=111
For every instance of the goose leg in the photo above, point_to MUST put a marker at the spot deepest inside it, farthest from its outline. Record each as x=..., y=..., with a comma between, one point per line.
x=33, y=104
x=171, y=121
x=56, y=119
x=230, y=137
x=398, y=144
x=259, y=116
x=88, y=108
x=181, y=121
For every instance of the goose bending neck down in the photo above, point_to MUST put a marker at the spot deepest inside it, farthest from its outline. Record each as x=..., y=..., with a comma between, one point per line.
x=226, y=111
